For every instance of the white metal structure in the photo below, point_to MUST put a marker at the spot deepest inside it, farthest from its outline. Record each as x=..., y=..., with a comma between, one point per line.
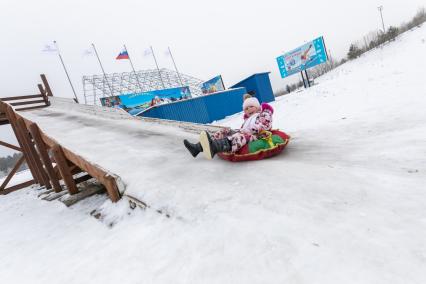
x=99, y=86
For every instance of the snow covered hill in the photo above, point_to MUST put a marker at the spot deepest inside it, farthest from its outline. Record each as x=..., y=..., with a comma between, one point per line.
x=345, y=202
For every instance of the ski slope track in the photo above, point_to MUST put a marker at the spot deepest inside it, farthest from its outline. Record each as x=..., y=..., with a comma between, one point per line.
x=344, y=203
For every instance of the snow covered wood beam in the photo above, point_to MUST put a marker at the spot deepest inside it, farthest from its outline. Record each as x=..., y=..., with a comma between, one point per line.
x=41, y=147
x=43, y=178
x=90, y=190
x=64, y=169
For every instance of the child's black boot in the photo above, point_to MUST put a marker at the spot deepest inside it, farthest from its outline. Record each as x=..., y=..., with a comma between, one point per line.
x=194, y=149
x=212, y=146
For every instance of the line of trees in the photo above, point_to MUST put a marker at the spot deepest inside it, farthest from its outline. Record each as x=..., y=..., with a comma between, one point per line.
x=375, y=39
x=289, y=88
x=8, y=162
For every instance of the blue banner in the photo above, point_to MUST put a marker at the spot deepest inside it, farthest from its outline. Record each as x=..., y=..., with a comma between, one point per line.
x=213, y=85
x=146, y=99
x=306, y=56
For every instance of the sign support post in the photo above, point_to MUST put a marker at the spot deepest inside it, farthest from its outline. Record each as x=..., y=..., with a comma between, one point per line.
x=303, y=79
x=307, y=78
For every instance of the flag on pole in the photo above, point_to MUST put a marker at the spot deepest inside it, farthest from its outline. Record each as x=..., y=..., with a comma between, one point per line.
x=88, y=52
x=49, y=48
x=123, y=55
x=147, y=52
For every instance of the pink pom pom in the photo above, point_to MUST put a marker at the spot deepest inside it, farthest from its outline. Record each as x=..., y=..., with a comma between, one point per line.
x=268, y=107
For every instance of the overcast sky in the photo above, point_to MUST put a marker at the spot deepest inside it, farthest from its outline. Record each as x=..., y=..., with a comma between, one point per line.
x=207, y=38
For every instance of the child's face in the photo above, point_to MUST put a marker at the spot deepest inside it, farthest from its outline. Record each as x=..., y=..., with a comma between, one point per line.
x=250, y=110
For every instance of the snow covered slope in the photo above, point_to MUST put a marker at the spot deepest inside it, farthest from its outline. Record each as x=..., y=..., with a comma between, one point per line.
x=345, y=202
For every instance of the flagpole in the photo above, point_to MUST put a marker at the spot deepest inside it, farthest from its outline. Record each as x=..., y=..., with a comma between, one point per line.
x=171, y=55
x=137, y=79
x=153, y=55
x=66, y=71
x=103, y=71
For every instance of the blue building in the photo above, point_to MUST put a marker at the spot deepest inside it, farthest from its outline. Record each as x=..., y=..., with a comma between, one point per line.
x=258, y=85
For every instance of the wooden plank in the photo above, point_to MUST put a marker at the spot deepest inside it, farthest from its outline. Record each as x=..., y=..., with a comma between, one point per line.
x=17, y=187
x=3, y=107
x=35, y=133
x=21, y=97
x=45, y=192
x=43, y=92
x=112, y=188
x=54, y=195
x=4, y=122
x=5, y=144
x=12, y=173
x=44, y=179
x=30, y=108
x=89, y=190
x=12, y=118
x=46, y=85
x=28, y=103
x=41, y=89
x=64, y=169
x=82, y=179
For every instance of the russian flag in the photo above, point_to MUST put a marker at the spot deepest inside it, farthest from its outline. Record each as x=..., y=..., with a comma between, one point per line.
x=123, y=55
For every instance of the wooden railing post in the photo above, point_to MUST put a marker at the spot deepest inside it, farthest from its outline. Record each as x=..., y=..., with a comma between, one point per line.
x=112, y=188
x=46, y=85
x=12, y=119
x=43, y=93
x=32, y=151
x=62, y=164
x=42, y=149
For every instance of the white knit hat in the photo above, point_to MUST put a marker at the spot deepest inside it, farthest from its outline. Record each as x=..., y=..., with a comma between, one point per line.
x=251, y=102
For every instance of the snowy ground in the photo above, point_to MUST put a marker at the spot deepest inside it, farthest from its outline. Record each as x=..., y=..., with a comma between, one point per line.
x=345, y=202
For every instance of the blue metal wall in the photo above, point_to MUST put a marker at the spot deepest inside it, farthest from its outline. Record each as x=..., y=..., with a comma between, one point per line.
x=204, y=109
x=258, y=85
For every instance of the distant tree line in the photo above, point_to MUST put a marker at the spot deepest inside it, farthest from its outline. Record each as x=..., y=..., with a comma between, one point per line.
x=289, y=88
x=7, y=163
x=375, y=39
x=370, y=41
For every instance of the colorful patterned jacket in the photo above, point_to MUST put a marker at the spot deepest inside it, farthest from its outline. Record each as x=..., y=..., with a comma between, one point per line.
x=258, y=122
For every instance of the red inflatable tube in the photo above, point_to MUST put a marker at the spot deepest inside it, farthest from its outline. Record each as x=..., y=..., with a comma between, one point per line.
x=244, y=155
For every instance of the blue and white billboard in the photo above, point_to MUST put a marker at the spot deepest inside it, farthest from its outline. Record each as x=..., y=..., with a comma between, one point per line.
x=147, y=99
x=306, y=56
x=213, y=85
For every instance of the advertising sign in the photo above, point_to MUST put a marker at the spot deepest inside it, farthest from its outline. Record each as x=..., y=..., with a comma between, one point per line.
x=306, y=56
x=111, y=101
x=213, y=85
x=147, y=99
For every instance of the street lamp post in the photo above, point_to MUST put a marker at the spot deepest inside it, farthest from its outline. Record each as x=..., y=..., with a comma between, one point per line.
x=381, y=15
